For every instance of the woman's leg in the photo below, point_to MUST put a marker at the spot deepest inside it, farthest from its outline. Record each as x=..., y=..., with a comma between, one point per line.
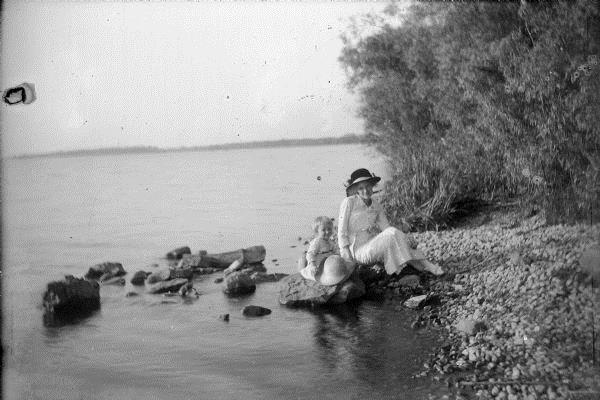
x=392, y=248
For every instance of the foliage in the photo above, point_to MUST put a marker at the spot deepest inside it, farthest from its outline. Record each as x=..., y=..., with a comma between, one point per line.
x=476, y=101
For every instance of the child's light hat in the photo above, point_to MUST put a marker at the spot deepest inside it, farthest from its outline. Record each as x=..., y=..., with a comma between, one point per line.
x=360, y=175
x=333, y=270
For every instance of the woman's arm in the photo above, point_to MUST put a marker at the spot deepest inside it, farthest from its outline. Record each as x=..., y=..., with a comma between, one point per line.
x=343, y=234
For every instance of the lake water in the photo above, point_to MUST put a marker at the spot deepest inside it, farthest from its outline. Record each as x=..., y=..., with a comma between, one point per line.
x=63, y=215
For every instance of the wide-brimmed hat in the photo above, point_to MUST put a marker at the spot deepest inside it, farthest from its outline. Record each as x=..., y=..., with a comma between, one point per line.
x=360, y=175
x=333, y=270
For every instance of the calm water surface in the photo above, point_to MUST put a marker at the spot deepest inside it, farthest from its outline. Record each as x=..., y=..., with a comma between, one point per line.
x=62, y=215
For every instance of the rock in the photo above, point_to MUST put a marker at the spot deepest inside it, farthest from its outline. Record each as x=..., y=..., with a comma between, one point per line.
x=251, y=268
x=234, y=266
x=416, y=301
x=219, y=280
x=181, y=272
x=187, y=288
x=238, y=283
x=114, y=281
x=409, y=281
x=251, y=255
x=260, y=277
x=255, y=311
x=138, y=278
x=172, y=285
x=349, y=290
x=72, y=296
x=224, y=317
x=590, y=262
x=178, y=253
x=295, y=291
x=132, y=294
x=159, y=276
x=111, y=268
x=469, y=326
x=201, y=261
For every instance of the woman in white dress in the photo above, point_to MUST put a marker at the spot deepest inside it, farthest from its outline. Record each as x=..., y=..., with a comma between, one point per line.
x=365, y=235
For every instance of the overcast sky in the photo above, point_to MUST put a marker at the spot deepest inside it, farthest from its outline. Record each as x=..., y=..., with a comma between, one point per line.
x=173, y=74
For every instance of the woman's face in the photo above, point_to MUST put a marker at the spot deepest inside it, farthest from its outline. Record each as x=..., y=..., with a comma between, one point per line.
x=364, y=190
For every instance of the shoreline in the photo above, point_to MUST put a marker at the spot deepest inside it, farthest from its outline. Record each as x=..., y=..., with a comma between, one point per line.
x=515, y=309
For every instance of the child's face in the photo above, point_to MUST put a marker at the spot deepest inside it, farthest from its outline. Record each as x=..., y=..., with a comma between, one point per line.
x=324, y=231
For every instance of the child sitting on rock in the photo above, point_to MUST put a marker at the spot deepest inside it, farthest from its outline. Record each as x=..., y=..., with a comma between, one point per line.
x=321, y=247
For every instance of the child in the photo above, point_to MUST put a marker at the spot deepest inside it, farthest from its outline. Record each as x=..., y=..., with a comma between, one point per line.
x=319, y=248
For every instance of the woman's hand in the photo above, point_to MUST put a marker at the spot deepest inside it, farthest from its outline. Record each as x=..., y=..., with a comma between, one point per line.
x=346, y=254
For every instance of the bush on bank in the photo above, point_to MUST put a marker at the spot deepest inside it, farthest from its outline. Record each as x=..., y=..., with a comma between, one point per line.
x=475, y=102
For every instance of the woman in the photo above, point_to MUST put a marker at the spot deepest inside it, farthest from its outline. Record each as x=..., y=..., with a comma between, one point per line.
x=365, y=235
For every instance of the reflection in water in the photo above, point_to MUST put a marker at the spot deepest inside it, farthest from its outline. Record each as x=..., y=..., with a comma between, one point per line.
x=58, y=319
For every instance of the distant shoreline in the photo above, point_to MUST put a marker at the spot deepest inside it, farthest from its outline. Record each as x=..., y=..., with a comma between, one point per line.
x=348, y=139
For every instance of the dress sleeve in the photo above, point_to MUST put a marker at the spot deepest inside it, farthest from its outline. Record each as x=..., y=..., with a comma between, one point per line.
x=313, y=250
x=382, y=221
x=343, y=234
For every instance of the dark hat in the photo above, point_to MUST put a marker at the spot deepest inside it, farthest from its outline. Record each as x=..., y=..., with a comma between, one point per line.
x=360, y=175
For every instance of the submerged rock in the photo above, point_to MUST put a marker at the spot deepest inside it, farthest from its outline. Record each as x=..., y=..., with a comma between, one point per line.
x=255, y=311
x=238, y=283
x=107, y=269
x=72, y=296
x=172, y=285
x=177, y=253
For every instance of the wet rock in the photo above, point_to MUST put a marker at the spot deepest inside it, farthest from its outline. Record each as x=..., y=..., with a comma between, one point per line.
x=139, y=277
x=72, y=296
x=107, y=269
x=159, y=276
x=416, y=301
x=238, y=283
x=178, y=253
x=349, y=290
x=295, y=291
x=469, y=326
x=219, y=280
x=172, y=285
x=255, y=311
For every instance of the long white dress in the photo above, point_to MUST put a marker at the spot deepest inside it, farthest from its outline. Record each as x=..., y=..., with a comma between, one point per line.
x=371, y=238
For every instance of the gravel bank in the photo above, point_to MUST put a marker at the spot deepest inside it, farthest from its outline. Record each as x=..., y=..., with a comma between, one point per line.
x=527, y=312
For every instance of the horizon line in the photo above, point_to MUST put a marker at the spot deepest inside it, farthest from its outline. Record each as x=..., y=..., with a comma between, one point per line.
x=346, y=139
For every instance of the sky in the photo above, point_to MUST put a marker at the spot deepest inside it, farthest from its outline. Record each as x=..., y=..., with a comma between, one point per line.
x=175, y=73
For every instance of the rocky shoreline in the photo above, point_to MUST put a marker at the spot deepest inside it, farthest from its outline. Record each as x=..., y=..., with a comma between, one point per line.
x=516, y=309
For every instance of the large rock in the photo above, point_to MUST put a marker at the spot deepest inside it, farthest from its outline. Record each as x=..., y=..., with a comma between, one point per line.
x=349, y=290
x=159, y=276
x=255, y=311
x=178, y=253
x=250, y=255
x=171, y=286
x=72, y=295
x=107, y=269
x=201, y=261
x=295, y=291
x=139, y=277
x=238, y=283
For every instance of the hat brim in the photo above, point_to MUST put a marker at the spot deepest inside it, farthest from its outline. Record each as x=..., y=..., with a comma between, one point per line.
x=330, y=280
x=374, y=180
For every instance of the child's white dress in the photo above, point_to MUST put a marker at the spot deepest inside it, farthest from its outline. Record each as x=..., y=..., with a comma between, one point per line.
x=318, y=250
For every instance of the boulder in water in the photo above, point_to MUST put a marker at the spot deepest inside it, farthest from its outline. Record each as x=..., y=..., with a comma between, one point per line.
x=238, y=283
x=255, y=311
x=72, y=296
x=106, y=269
x=178, y=253
x=139, y=277
x=295, y=291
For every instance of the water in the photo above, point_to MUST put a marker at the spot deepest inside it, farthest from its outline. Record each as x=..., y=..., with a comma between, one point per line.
x=62, y=215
